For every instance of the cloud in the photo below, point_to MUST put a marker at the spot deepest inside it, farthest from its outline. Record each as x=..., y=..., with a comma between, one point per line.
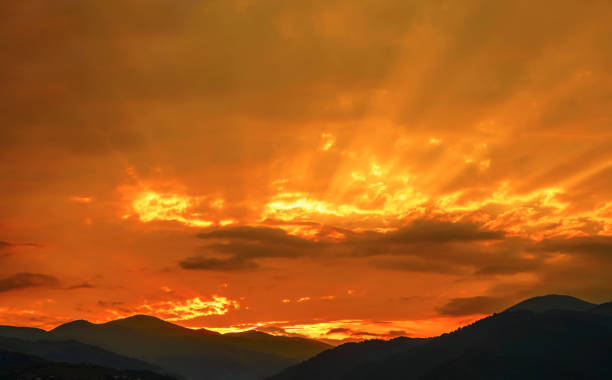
x=260, y=235
x=110, y=304
x=397, y=333
x=420, y=238
x=7, y=245
x=338, y=330
x=215, y=264
x=243, y=244
x=436, y=231
x=416, y=264
x=596, y=246
x=82, y=285
x=457, y=307
x=27, y=280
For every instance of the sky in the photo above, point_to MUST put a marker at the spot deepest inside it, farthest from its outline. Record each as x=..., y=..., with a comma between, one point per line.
x=333, y=169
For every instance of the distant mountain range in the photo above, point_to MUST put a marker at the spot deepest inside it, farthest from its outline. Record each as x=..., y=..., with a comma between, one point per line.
x=549, y=337
x=147, y=343
x=15, y=365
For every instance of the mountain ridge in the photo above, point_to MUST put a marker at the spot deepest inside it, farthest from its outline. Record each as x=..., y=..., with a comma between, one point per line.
x=516, y=339
x=185, y=352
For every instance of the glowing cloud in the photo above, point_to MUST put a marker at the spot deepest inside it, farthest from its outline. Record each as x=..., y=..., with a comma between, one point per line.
x=151, y=206
x=182, y=310
x=328, y=141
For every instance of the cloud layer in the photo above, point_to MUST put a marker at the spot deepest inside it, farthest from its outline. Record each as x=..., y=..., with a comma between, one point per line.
x=416, y=162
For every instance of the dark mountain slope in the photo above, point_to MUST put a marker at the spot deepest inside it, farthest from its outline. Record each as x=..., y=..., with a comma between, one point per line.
x=338, y=362
x=553, y=302
x=24, y=333
x=553, y=345
x=15, y=365
x=515, y=344
x=291, y=347
x=604, y=308
x=193, y=354
x=74, y=352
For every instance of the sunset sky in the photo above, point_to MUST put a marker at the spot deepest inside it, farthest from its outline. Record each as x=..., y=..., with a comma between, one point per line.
x=335, y=169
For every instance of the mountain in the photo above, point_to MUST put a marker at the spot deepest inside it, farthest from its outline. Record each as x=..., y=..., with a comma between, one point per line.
x=14, y=365
x=535, y=339
x=193, y=354
x=553, y=302
x=292, y=347
x=337, y=363
x=24, y=333
x=74, y=352
x=604, y=308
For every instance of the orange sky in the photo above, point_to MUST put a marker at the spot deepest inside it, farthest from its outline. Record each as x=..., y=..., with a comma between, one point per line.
x=335, y=169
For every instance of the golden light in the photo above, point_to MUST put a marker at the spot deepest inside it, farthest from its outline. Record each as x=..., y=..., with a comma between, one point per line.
x=152, y=206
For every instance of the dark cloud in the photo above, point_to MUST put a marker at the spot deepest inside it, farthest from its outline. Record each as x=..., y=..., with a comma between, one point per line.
x=598, y=246
x=82, y=285
x=338, y=330
x=215, y=264
x=472, y=305
x=436, y=231
x=365, y=333
x=7, y=245
x=426, y=244
x=27, y=280
x=263, y=235
x=243, y=244
x=396, y=333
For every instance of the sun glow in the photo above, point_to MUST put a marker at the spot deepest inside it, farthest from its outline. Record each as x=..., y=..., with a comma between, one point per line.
x=180, y=310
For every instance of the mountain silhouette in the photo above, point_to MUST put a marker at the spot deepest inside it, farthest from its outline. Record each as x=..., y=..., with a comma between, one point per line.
x=146, y=342
x=553, y=302
x=604, y=308
x=23, y=333
x=535, y=339
x=14, y=365
x=74, y=352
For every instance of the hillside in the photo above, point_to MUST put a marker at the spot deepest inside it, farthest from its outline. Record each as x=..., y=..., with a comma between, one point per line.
x=15, y=365
x=518, y=343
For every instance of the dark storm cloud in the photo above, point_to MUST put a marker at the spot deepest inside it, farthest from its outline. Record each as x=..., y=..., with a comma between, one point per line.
x=457, y=307
x=27, y=280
